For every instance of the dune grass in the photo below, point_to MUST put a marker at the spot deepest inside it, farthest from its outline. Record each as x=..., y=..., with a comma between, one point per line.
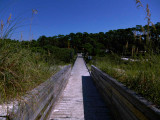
x=142, y=76
x=21, y=70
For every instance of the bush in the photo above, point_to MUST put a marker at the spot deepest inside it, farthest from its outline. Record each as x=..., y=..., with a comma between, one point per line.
x=61, y=54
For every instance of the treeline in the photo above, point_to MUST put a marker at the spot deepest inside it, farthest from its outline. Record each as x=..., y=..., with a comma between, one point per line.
x=128, y=41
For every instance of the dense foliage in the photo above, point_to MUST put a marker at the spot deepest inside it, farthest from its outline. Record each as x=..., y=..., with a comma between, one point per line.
x=50, y=52
x=21, y=70
x=130, y=41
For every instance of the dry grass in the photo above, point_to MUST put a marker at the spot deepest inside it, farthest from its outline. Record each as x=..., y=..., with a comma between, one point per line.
x=149, y=23
x=139, y=4
x=20, y=71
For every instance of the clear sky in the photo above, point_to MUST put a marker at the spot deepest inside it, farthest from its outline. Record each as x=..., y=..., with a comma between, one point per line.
x=65, y=16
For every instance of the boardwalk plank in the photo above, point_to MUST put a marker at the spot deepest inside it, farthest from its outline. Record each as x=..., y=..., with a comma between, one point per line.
x=80, y=99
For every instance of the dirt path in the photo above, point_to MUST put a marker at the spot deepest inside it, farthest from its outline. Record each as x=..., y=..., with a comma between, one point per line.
x=80, y=99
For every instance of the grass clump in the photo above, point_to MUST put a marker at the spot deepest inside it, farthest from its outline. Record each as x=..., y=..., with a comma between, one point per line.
x=142, y=76
x=21, y=70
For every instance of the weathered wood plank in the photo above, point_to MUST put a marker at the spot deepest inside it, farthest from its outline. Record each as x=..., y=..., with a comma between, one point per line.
x=80, y=99
x=37, y=104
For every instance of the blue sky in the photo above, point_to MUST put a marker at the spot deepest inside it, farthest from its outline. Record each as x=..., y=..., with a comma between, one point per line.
x=65, y=16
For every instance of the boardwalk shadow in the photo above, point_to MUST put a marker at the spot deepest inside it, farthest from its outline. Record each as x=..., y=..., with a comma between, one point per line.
x=94, y=107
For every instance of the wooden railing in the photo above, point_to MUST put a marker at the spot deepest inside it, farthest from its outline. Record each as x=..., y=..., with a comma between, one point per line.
x=124, y=103
x=38, y=103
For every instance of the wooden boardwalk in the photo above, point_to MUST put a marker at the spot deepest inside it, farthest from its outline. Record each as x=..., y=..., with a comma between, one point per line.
x=80, y=99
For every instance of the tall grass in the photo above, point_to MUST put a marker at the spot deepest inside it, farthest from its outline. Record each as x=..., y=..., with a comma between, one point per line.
x=142, y=76
x=20, y=70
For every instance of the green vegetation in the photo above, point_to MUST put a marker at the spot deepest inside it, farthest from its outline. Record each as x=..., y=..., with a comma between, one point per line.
x=26, y=64
x=21, y=70
x=141, y=75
